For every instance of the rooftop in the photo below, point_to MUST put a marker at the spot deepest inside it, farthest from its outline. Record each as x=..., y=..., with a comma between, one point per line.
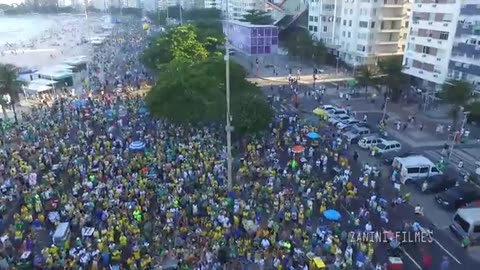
x=247, y=24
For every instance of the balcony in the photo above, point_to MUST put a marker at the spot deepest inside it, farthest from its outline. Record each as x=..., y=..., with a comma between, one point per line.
x=427, y=41
x=386, y=42
x=438, y=78
x=424, y=57
x=432, y=25
x=389, y=30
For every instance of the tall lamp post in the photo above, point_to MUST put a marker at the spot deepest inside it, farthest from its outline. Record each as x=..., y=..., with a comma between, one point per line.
x=228, y=126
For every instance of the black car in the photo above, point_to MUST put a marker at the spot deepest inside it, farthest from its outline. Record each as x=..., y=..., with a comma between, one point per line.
x=435, y=184
x=388, y=157
x=458, y=196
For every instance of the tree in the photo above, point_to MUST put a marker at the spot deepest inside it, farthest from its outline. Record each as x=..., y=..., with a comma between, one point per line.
x=181, y=43
x=10, y=88
x=392, y=76
x=474, y=109
x=300, y=43
x=257, y=17
x=210, y=33
x=195, y=93
x=456, y=94
x=366, y=78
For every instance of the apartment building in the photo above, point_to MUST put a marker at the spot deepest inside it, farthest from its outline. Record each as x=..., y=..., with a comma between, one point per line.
x=464, y=62
x=186, y=4
x=430, y=41
x=238, y=8
x=324, y=20
x=360, y=31
x=212, y=4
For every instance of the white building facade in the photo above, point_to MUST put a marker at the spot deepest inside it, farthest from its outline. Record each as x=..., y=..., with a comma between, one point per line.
x=238, y=8
x=430, y=41
x=213, y=4
x=360, y=31
x=465, y=57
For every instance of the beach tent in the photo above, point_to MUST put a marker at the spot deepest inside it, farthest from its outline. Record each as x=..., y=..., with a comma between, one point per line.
x=62, y=76
x=37, y=88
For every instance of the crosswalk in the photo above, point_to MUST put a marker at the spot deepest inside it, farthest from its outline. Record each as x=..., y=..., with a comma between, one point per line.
x=457, y=156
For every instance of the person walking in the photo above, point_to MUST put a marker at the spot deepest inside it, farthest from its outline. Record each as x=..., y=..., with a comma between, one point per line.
x=445, y=265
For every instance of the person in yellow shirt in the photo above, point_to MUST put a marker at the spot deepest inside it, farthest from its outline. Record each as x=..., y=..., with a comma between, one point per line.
x=123, y=241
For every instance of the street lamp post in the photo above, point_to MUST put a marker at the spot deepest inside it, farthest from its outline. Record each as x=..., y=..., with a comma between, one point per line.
x=338, y=58
x=385, y=108
x=228, y=127
x=459, y=132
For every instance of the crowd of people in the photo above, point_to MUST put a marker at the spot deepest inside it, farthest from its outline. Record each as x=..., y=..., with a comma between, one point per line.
x=100, y=183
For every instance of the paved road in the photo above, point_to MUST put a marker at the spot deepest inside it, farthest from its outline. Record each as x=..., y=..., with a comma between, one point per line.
x=444, y=244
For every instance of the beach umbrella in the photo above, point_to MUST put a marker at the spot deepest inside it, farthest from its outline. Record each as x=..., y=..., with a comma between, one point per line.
x=313, y=135
x=332, y=214
x=137, y=145
x=142, y=110
x=298, y=149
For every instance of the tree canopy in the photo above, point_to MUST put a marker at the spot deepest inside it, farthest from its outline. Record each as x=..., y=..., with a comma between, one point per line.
x=366, y=77
x=299, y=43
x=9, y=86
x=394, y=79
x=457, y=94
x=258, y=17
x=195, y=93
x=181, y=43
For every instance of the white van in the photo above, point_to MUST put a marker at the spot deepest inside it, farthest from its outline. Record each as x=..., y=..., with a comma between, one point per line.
x=388, y=147
x=368, y=142
x=466, y=224
x=62, y=233
x=414, y=167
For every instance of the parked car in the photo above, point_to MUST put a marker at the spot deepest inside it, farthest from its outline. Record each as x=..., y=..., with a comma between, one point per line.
x=436, y=184
x=349, y=122
x=336, y=111
x=388, y=147
x=388, y=157
x=355, y=134
x=369, y=141
x=458, y=196
x=338, y=119
x=413, y=168
x=327, y=107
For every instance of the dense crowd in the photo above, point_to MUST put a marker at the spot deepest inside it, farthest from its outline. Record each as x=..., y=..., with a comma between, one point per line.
x=102, y=184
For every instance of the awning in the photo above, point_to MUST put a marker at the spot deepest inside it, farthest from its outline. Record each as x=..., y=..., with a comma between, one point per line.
x=43, y=82
x=38, y=88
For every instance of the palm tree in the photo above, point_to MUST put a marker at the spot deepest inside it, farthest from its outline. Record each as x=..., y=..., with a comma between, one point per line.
x=393, y=78
x=366, y=78
x=10, y=89
x=457, y=94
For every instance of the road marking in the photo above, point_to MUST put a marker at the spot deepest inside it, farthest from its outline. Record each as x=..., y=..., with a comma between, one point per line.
x=411, y=258
x=446, y=251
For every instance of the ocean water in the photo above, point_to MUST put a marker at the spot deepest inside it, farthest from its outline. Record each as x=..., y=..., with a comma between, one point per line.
x=23, y=28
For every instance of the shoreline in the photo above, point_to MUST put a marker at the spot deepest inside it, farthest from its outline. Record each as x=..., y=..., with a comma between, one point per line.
x=66, y=39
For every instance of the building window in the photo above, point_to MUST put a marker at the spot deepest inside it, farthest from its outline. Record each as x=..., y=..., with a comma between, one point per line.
x=374, y=12
x=360, y=48
x=310, y=28
x=325, y=29
x=349, y=35
x=315, y=18
x=351, y=11
x=363, y=24
x=345, y=11
x=444, y=35
x=344, y=22
x=372, y=25
x=343, y=34
x=426, y=50
x=315, y=29
x=324, y=18
x=350, y=23
x=310, y=18
x=406, y=24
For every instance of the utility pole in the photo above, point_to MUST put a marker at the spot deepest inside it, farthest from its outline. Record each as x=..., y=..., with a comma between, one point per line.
x=180, y=9
x=385, y=108
x=459, y=133
x=228, y=127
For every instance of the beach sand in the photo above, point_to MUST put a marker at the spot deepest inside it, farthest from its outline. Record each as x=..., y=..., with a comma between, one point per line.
x=67, y=39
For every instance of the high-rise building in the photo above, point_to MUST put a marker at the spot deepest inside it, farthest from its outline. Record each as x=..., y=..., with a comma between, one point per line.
x=238, y=8
x=360, y=31
x=212, y=4
x=464, y=63
x=430, y=41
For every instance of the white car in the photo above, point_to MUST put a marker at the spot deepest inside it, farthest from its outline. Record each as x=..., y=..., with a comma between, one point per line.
x=349, y=122
x=338, y=119
x=336, y=112
x=368, y=142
